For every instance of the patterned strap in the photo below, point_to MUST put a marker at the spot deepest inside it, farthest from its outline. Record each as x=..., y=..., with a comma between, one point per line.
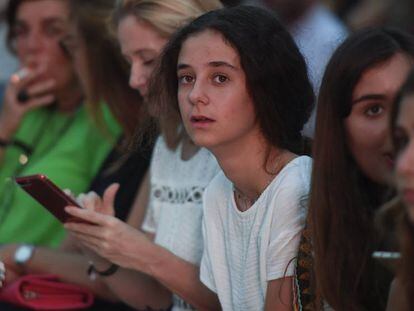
x=305, y=297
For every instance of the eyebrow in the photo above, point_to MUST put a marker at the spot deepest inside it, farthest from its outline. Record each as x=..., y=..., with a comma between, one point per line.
x=211, y=64
x=368, y=97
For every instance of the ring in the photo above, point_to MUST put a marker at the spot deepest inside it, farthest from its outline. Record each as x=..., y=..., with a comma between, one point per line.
x=23, y=96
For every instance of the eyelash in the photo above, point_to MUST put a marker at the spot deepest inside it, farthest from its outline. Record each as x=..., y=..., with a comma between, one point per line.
x=368, y=111
x=215, y=76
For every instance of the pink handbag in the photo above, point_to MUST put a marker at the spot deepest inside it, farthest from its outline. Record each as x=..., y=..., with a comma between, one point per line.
x=46, y=292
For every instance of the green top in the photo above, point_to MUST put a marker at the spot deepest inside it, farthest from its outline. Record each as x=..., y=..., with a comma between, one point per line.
x=69, y=150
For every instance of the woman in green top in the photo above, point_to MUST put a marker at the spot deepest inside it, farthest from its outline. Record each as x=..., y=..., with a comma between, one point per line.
x=44, y=128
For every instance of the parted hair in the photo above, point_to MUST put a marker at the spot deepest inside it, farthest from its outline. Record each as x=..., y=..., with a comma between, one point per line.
x=276, y=73
x=343, y=200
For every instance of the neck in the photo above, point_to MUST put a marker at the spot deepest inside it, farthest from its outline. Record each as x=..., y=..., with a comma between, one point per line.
x=243, y=162
x=69, y=99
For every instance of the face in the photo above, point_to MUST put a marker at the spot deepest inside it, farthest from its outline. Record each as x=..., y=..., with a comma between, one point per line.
x=141, y=45
x=367, y=125
x=39, y=27
x=404, y=134
x=215, y=106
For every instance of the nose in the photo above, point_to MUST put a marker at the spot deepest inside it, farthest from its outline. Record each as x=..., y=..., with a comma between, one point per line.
x=197, y=94
x=30, y=48
x=405, y=162
x=138, y=78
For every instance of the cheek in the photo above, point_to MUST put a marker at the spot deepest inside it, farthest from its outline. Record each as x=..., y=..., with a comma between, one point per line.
x=365, y=134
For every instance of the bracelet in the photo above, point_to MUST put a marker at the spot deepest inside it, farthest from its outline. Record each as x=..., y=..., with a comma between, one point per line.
x=92, y=272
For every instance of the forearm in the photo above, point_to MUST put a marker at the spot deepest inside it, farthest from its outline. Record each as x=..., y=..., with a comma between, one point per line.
x=139, y=290
x=132, y=287
x=182, y=278
x=69, y=266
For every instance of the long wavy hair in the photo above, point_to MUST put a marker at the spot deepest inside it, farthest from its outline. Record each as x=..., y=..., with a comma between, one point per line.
x=343, y=200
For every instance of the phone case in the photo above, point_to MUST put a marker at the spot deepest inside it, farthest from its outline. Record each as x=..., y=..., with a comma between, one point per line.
x=47, y=194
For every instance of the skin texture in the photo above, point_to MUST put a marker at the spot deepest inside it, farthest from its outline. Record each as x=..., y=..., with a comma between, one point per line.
x=39, y=27
x=367, y=125
x=141, y=54
x=405, y=158
x=212, y=84
x=218, y=113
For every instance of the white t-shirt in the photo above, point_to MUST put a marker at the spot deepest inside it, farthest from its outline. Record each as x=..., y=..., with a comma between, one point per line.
x=245, y=250
x=175, y=204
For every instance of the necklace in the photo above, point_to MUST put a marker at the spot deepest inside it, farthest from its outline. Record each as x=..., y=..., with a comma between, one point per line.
x=243, y=202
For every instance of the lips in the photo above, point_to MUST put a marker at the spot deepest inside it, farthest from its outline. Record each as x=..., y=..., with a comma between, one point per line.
x=200, y=119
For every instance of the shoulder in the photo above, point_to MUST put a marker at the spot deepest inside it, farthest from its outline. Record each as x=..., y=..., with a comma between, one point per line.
x=218, y=186
x=293, y=182
x=217, y=192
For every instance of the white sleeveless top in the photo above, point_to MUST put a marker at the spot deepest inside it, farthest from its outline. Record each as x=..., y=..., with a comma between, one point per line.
x=175, y=205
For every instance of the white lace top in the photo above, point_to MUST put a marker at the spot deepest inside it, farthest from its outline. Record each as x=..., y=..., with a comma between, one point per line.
x=175, y=205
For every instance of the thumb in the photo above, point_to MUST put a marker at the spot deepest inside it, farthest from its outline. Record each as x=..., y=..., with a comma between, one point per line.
x=109, y=198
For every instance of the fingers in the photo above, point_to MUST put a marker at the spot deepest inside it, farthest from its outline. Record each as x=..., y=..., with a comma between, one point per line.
x=90, y=201
x=30, y=92
x=109, y=199
x=69, y=193
x=90, y=216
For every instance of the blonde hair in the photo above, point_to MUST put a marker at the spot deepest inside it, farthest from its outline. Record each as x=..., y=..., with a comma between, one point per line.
x=166, y=16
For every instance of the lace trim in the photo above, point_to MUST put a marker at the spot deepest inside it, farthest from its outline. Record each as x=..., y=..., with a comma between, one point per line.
x=178, y=195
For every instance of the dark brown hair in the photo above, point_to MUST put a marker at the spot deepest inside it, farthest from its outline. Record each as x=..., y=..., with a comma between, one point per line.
x=276, y=74
x=343, y=200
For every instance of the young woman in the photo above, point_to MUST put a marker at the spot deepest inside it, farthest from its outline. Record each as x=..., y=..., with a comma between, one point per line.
x=167, y=258
x=44, y=128
x=237, y=97
x=402, y=131
x=353, y=160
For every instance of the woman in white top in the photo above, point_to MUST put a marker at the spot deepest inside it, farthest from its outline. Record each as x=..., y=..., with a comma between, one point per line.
x=162, y=265
x=243, y=93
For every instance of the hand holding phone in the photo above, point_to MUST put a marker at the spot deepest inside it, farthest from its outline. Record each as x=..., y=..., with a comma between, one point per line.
x=49, y=195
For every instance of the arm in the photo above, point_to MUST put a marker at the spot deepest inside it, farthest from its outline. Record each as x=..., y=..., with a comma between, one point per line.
x=279, y=295
x=70, y=266
x=124, y=245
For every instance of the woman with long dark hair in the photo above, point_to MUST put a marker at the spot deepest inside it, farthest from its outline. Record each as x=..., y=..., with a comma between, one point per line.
x=353, y=160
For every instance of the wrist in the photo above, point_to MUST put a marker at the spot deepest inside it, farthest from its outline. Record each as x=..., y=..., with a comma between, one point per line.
x=22, y=256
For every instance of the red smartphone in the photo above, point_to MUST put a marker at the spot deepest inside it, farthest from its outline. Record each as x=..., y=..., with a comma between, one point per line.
x=49, y=195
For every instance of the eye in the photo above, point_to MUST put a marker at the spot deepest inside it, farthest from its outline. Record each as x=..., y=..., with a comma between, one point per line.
x=54, y=31
x=185, y=79
x=374, y=110
x=220, y=79
x=400, y=140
